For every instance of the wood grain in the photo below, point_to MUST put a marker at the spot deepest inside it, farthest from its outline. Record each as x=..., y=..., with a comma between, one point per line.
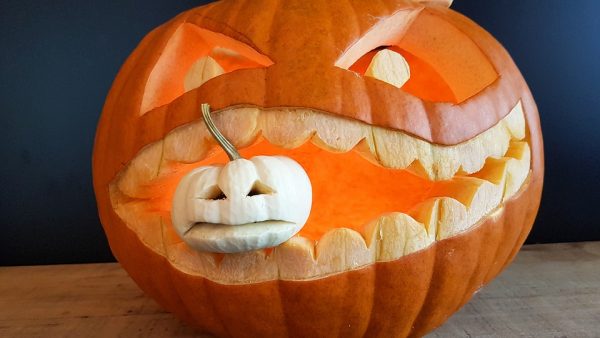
x=551, y=290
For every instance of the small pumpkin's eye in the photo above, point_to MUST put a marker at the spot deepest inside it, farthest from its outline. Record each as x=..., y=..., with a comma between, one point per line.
x=259, y=188
x=213, y=192
x=220, y=196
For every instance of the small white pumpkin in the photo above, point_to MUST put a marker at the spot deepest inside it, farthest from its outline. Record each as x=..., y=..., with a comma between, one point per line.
x=244, y=205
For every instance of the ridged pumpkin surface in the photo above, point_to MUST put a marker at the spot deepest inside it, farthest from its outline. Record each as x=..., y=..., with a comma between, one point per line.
x=300, y=54
x=407, y=297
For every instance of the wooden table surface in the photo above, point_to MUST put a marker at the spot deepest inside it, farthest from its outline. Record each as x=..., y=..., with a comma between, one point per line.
x=551, y=290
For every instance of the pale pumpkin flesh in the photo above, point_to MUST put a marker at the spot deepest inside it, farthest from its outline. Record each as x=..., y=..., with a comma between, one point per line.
x=377, y=194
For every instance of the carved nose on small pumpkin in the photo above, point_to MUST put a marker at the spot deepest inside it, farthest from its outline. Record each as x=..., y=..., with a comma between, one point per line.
x=239, y=179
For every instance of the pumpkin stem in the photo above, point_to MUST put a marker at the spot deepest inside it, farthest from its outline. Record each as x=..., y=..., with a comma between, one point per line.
x=223, y=142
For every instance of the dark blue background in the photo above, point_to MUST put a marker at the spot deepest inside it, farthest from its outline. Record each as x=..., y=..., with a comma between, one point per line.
x=58, y=60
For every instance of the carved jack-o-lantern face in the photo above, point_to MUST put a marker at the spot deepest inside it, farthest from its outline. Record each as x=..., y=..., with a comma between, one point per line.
x=416, y=130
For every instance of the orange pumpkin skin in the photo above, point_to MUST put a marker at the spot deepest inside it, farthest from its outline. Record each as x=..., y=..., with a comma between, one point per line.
x=406, y=297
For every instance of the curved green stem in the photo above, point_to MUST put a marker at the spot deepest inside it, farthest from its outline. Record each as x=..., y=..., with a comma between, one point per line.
x=223, y=142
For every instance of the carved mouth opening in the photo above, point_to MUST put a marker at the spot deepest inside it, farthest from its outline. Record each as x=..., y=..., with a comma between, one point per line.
x=380, y=192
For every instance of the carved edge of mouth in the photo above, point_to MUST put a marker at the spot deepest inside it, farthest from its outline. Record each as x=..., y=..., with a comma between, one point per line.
x=387, y=238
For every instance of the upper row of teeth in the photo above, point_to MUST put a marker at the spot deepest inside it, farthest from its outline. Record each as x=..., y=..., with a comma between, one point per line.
x=291, y=127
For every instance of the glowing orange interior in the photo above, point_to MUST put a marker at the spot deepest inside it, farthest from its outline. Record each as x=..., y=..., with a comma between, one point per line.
x=348, y=190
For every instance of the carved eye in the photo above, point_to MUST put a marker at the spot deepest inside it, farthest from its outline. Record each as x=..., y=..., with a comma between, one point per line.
x=425, y=56
x=386, y=65
x=259, y=188
x=212, y=193
x=192, y=56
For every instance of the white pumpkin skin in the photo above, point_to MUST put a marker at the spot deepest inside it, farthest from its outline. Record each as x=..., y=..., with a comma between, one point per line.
x=213, y=210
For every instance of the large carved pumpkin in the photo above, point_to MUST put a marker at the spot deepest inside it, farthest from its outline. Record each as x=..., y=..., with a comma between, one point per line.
x=418, y=133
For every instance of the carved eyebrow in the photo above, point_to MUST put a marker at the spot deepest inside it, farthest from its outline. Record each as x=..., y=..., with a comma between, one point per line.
x=185, y=47
x=386, y=32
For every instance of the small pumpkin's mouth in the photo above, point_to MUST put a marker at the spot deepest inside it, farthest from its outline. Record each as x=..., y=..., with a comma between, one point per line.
x=240, y=237
x=378, y=194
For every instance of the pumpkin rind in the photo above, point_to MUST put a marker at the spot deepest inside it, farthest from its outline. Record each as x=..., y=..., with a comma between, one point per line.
x=405, y=297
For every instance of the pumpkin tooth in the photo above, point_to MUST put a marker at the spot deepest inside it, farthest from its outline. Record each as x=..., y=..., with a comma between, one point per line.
x=427, y=213
x=135, y=214
x=287, y=128
x=395, y=235
x=342, y=249
x=192, y=142
x=396, y=150
x=452, y=218
x=442, y=217
x=248, y=266
x=470, y=156
x=188, y=143
x=366, y=149
x=240, y=125
x=478, y=196
x=296, y=258
x=515, y=121
x=509, y=171
x=519, y=157
x=390, y=67
x=337, y=135
x=417, y=168
x=141, y=171
x=494, y=171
